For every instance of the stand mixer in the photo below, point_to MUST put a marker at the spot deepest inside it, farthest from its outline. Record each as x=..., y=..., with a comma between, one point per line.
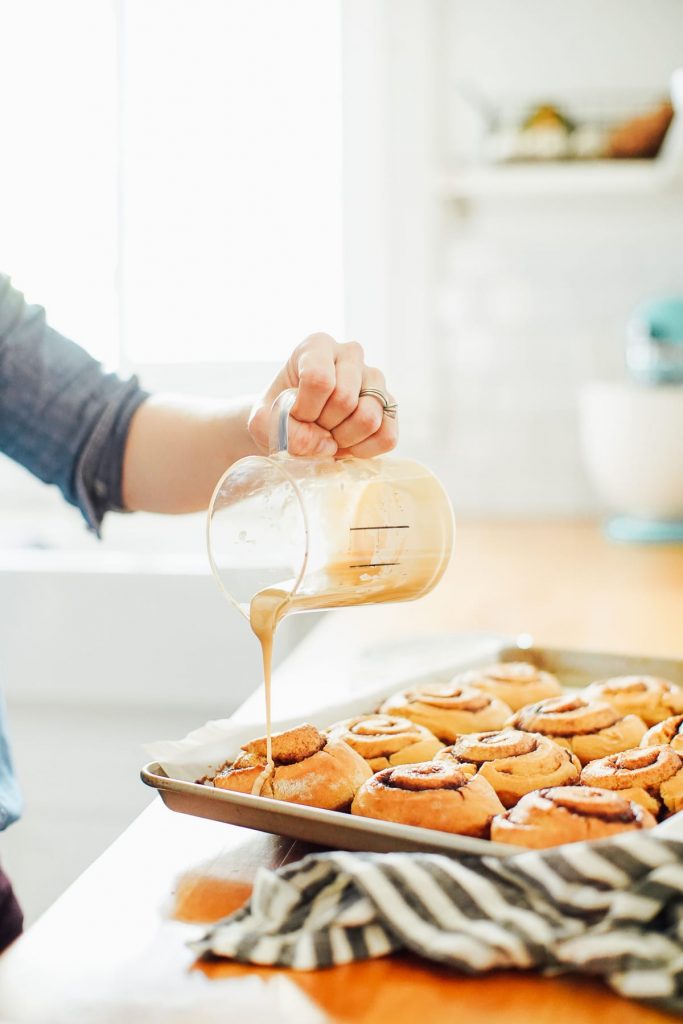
x=632, y=430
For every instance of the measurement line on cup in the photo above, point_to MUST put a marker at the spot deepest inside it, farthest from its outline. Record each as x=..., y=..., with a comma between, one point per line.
x=376, y=565
x=406, y=527
x=372, y=565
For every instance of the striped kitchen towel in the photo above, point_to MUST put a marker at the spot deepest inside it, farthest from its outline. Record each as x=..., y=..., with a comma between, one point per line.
x=612, y=908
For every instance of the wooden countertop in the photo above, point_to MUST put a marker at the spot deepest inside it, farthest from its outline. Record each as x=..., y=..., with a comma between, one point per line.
x=113, y=946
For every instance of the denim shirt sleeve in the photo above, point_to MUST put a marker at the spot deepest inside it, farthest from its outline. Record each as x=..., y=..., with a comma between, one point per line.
x=61, y=415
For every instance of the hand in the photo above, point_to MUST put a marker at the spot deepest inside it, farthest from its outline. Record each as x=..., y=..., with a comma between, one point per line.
x=328, y=416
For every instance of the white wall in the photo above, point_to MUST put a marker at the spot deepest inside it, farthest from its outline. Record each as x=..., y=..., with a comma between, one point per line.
x=534, y=302
x=535, y=294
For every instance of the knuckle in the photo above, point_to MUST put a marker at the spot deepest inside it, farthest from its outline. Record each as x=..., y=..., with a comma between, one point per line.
x=316, y=378
x=299, y=351
x=389, y=437
x=318, y=338
x=295, y=448
x=355, y=349
x=370, y=418
x=345, y=400
x=299, y=440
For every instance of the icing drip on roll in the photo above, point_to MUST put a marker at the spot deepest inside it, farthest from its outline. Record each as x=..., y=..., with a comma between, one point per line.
x=308, y=768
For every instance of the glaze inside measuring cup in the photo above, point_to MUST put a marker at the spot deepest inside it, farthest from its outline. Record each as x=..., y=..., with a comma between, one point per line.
x=291, y=535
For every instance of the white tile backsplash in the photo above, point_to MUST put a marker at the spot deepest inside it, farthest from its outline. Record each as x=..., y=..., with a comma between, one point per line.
x=533, y=300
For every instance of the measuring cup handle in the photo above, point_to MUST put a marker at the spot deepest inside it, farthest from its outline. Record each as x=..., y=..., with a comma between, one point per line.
x=278, y=425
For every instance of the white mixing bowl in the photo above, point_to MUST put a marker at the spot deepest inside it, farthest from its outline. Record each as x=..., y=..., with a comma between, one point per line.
x=632, y=439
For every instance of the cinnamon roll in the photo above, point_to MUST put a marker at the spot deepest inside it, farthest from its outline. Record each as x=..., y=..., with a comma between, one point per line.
x=447, y=709
x=590, y=729
x=308, y=768
x=649, y=697
x=384, y=740
x=432, y=794
x=669, y=731
x=653, y=776
x=515, y=762
x=568, y=814
x=517, y=683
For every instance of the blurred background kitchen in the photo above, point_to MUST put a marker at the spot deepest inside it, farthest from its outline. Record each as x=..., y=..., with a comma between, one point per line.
x=481, y=192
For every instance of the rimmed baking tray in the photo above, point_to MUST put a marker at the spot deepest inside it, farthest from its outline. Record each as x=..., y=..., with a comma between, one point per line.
x=575, y=668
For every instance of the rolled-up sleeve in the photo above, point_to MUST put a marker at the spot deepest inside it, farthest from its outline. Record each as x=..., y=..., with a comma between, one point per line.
x=61, y=415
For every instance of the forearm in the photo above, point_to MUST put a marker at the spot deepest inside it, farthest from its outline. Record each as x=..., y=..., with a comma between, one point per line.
x=178, y=447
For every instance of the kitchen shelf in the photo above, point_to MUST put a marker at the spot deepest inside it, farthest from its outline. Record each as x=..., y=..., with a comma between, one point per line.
x=586, y=178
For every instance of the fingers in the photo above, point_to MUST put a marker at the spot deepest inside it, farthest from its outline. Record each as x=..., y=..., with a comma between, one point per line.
x=382, y=441
x=328, y=416
x=309, y=439
x=315, y=376
x=367, y=419
x=349, y=377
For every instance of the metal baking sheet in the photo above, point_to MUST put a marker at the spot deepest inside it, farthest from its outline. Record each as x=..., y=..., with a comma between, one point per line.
x=575, y=668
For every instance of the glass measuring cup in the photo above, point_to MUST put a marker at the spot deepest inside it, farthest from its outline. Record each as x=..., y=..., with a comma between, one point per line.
x=325, y=532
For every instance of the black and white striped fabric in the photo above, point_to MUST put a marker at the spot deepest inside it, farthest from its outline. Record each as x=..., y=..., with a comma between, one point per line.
x=612, y=908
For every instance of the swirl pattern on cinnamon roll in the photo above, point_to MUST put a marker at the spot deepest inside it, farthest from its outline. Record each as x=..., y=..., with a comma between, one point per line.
x=384, y=740
x=308, y=768
x=433, y=794
x=515, y=762
x=591, y=729
x=652, y=776
x=649, y=697
x=517, y=683
x=447, y=709
x=568, y=814
x=669, y=731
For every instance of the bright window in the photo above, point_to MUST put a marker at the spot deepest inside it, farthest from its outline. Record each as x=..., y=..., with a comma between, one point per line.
x=170, y=187
x=58, y=168
x=232, y=177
